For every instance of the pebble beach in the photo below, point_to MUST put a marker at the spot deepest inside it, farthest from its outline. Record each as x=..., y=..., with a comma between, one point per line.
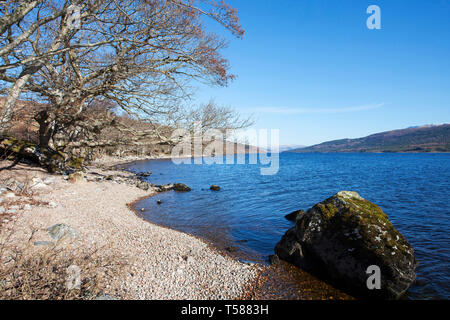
x=162, y=263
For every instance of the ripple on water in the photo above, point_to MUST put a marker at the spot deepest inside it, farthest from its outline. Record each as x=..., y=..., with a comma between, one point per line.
x=248, y=212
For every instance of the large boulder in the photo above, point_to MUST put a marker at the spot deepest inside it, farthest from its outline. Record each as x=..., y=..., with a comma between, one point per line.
x=339, y=238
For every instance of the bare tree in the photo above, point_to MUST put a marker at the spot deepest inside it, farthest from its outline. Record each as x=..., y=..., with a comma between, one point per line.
x=138, y=55
x=213, y=116
x=23, y=25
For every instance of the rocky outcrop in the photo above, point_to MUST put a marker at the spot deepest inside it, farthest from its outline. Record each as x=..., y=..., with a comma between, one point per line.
x=144, y=174
x=164, y=188
x=143, y=185
x=341, y=237
x=180, y=187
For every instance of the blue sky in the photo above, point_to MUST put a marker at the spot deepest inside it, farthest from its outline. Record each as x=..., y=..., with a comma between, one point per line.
x=312, y=68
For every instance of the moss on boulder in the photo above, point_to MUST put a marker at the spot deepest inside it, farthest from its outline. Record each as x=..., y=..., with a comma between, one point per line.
x=52, y=160
x=339, y=238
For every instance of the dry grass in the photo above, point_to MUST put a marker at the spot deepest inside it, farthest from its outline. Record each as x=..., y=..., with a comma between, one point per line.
x=49, y=271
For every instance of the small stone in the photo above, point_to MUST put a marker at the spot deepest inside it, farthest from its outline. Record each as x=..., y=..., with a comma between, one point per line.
x=59, y=231
x=214, y=187
x=273, y=259
x=77, y=177
x=44, y=243
x=231, y=249
x=159, y=202
x=105, y=297
x=49, y=180
x=142, y=209
x=52, y=204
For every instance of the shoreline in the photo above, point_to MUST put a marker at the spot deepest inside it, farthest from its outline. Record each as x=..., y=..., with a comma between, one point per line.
x=272, y=282
x=182, y=266
x=164, y=263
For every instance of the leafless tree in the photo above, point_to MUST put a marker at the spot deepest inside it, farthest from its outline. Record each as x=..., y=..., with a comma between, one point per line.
x=26, y=45
x=139, y=55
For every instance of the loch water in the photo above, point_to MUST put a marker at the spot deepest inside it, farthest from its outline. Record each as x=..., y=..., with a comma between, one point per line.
x=248, y=212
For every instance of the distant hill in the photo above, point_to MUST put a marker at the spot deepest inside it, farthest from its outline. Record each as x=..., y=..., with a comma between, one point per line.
x=429, y=138
x=284, y=148
x=287, y=147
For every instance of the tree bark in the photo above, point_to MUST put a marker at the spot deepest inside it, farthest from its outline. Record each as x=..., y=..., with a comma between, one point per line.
x=8, y=108
x=47, y=126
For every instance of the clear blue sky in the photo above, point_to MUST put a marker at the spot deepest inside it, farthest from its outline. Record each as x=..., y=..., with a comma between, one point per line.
x=312, y=68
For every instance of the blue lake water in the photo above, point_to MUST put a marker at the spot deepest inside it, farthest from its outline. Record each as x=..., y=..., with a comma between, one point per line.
x=248, y=212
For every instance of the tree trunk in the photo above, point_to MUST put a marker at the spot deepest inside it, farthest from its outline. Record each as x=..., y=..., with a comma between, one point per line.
x=8, y=108
x=47, y=126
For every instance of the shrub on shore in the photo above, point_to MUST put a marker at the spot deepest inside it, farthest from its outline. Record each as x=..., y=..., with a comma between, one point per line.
x=50, y=271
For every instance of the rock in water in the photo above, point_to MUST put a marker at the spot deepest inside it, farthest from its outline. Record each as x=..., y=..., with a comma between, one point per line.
x=214, y=187
x=180, y=187
x=339, y=238
x=145, y=174
x=143, y=185
x=294, y=215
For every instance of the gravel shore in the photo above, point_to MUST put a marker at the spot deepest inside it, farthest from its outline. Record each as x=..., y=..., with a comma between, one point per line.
x=164, y=264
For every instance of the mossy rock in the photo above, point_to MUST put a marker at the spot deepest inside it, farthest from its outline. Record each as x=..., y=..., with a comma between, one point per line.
x=339, y=238
x=76, y=163
x=52, y=160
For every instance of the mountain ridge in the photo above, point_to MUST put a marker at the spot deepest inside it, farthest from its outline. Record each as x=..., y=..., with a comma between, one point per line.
x=427, y=138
